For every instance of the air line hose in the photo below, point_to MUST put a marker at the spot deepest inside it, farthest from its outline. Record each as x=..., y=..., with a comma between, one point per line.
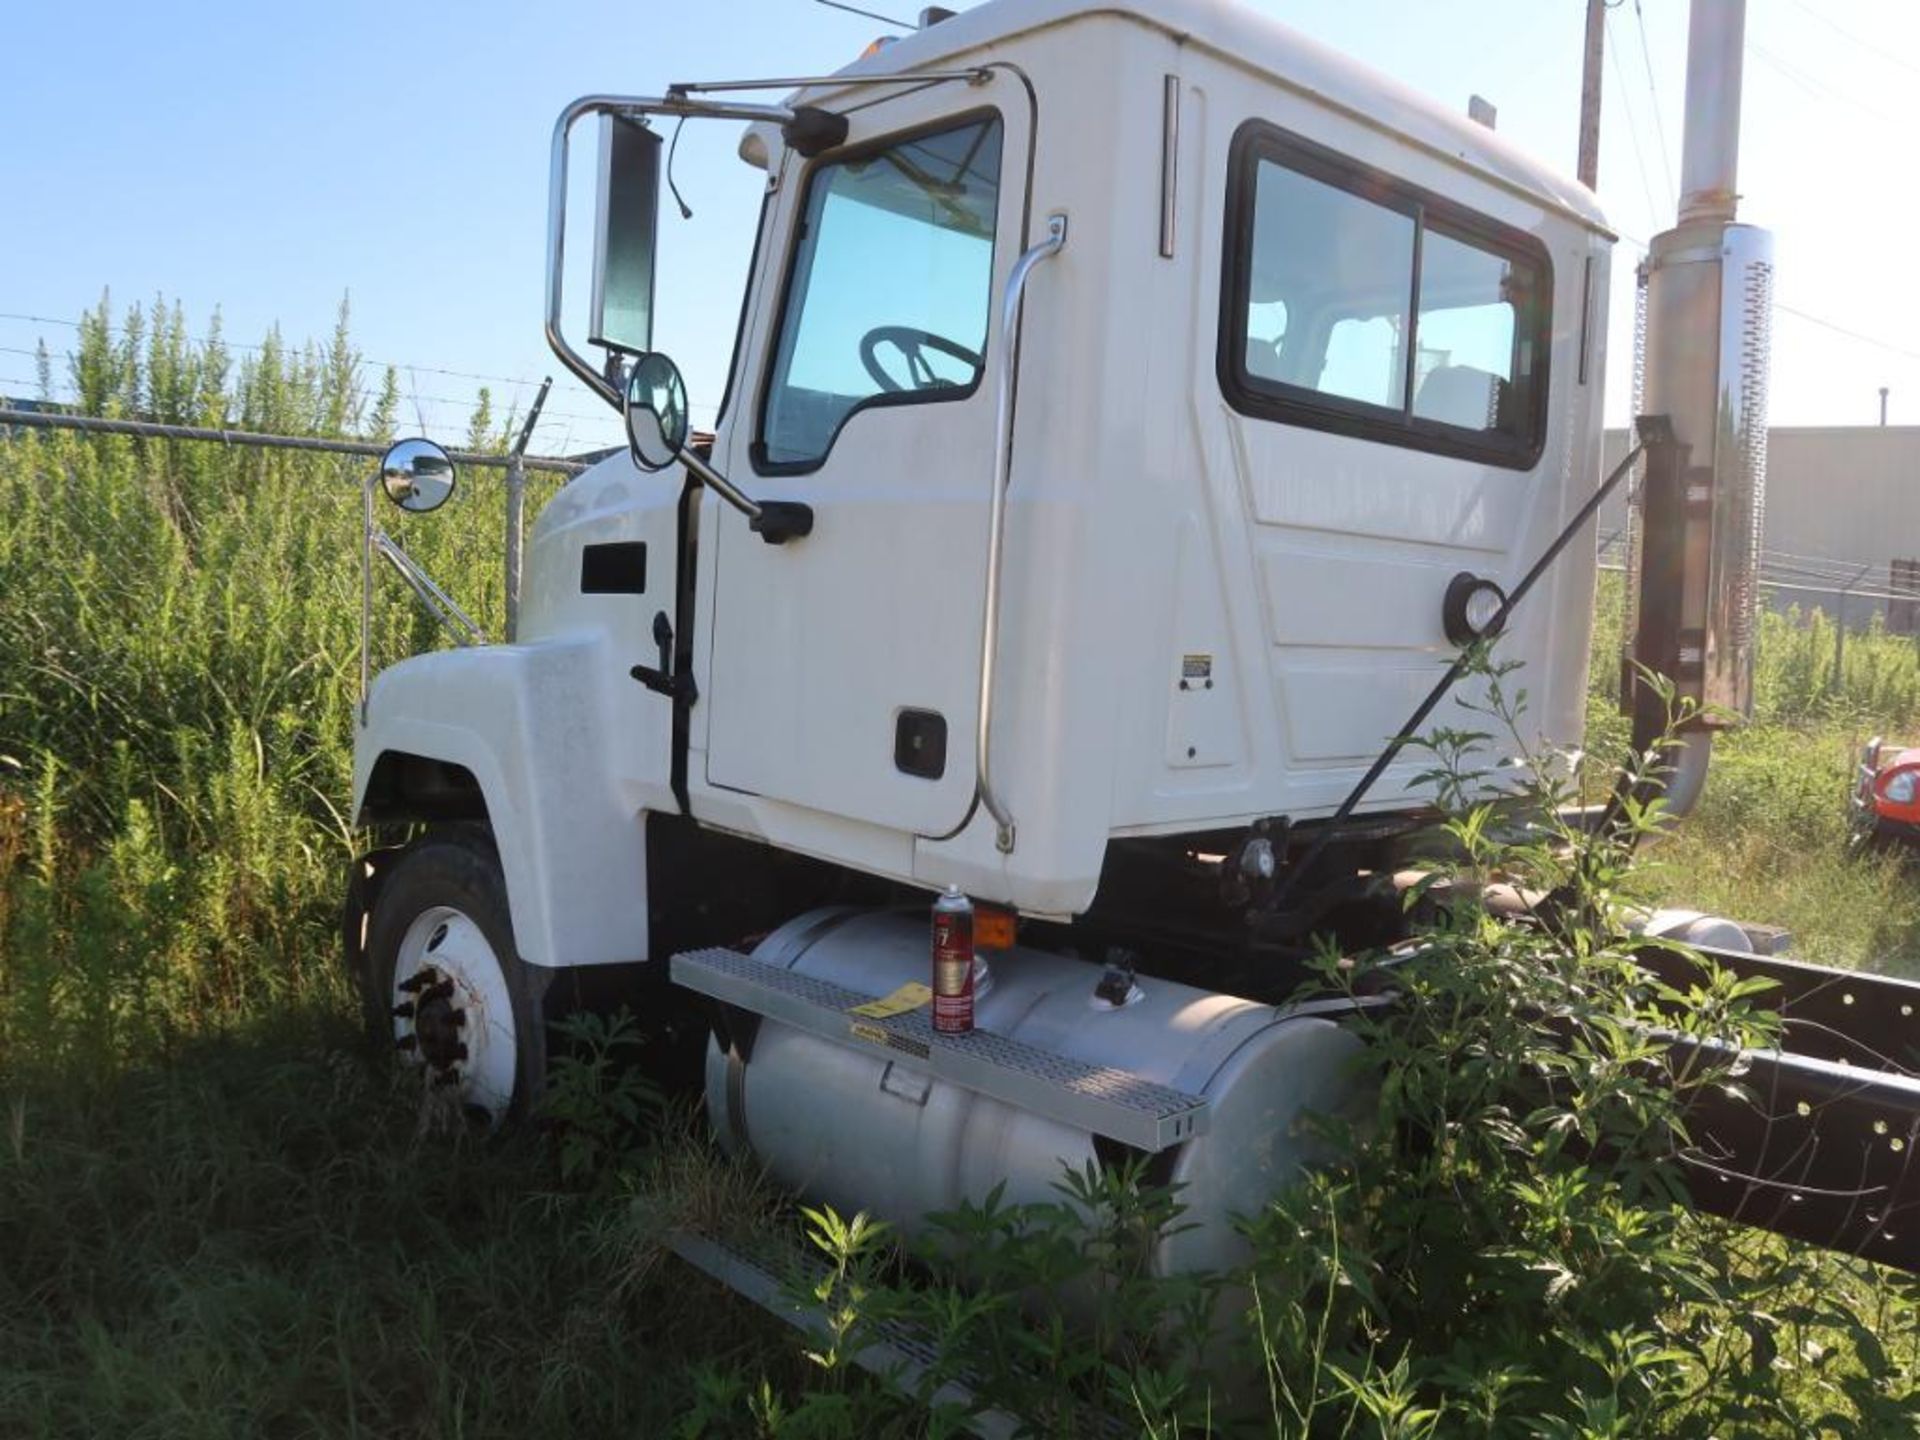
x=1651, y=430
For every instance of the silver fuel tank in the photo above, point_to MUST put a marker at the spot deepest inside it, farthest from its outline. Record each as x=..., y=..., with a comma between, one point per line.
x=860, y=1131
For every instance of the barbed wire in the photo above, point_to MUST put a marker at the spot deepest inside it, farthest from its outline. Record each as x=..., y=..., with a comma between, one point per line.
x=548, y=417
x=114, y=328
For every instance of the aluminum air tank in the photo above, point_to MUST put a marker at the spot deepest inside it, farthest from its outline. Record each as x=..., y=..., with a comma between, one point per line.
x=856, y=1130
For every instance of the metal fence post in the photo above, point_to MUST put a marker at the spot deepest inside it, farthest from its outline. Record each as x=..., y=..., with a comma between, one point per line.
x=517, y=510
x=1840, y=632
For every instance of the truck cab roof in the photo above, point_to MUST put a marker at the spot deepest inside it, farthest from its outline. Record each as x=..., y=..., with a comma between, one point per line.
x=1242, y=37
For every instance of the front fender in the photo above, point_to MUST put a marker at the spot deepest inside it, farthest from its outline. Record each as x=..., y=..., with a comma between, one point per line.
x=531, y=723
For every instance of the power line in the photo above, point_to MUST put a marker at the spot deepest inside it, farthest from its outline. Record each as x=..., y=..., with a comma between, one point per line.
x=1633, y=126
x=1840, y=329
x=1653, y=99
x=1879, y=51
x=1818, y=88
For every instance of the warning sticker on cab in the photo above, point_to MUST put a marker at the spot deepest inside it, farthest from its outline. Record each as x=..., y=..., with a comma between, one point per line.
x=872, y=1034
x=910, y=996
x=1196, y=667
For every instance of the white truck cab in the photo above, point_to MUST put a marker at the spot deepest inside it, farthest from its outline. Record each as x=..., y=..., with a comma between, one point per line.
x=1309, y=348
x=1135, y=410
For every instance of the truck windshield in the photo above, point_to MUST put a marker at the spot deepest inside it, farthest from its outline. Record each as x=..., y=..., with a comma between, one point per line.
x=888, y=298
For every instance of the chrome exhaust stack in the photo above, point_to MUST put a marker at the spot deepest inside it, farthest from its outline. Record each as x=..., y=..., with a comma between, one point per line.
x=1702, y=357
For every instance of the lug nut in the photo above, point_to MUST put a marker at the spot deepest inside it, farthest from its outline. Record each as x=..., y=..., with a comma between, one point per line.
x=406, y=1042
x=459, y=1018
x=442, y=991
x=414, y=981
x=404, y=1011
x=459, y=1052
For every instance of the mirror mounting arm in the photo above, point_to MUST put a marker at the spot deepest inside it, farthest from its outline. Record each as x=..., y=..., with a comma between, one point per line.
x=774, y=521
x=723, y=487
x=656, y=414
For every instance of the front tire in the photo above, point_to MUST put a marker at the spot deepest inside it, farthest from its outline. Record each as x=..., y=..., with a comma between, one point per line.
x=444, y=984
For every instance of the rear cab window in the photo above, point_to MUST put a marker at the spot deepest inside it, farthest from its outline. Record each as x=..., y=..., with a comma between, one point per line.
x=1361, y=304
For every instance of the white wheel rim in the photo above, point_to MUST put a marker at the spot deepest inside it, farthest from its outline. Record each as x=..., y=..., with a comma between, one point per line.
x=446, y=958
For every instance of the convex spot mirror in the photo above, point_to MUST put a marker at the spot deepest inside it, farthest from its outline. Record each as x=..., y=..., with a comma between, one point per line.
x=656, y=411
x=417, y=475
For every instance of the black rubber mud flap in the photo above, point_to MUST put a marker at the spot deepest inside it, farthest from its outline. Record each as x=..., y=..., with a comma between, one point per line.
x=365, y=874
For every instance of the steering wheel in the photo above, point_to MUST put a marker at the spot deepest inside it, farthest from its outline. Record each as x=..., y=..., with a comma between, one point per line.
x=911, y=343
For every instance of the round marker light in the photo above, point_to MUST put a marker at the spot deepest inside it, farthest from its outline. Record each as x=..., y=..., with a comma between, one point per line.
x=1471, y=609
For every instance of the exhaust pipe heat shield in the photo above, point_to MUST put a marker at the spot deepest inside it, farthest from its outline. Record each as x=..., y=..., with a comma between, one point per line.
x=1696, y=517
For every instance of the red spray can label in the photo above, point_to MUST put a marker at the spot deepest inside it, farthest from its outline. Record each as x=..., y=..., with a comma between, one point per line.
x=953, y=963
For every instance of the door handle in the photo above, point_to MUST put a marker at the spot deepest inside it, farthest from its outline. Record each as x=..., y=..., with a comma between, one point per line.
x=676, y=685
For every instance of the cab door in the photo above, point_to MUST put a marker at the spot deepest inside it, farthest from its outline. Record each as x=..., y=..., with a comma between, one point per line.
x=845, y=664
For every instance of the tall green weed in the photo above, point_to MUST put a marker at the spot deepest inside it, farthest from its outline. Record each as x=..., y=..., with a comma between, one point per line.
x=179, y=630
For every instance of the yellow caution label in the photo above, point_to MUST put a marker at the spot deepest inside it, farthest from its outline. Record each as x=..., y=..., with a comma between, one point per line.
x=872, y=1034
x=910, y=996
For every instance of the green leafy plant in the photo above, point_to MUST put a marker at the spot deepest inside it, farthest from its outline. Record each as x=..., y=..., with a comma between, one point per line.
x=216, y=1220
x=1506, y=1247
x=599, y=1104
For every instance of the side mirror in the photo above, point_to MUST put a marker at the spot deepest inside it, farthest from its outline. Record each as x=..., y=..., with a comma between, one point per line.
x=656, y=412
x=624, y=237
x=417, y=475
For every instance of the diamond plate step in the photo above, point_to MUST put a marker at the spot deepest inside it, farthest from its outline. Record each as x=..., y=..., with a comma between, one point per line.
x=1098, y=1098
x=898, y=1354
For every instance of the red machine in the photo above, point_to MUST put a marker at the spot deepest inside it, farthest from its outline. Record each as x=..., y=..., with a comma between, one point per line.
x=1885, y=808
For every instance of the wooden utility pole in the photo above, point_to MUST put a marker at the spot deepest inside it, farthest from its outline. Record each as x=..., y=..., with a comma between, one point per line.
x=1589, y=171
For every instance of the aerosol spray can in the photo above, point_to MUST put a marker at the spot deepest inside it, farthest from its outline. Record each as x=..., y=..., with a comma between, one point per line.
x=953, y=963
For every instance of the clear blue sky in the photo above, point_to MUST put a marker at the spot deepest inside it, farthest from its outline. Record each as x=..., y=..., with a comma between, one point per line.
x=268, y=158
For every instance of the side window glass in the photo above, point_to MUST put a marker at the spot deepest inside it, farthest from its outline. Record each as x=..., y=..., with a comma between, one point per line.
x=1359, y=303
x=1340, y=268
x=1365, y=361
x=1469, y=364
x=891, y=288
x=1266, y=338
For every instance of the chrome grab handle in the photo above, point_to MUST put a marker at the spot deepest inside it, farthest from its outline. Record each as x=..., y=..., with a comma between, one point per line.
x=996, y=522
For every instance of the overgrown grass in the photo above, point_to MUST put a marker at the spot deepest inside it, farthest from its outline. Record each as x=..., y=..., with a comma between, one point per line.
x=1768, y=841
x=256, y=1238
x=217, y=1219
x=178, y=671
